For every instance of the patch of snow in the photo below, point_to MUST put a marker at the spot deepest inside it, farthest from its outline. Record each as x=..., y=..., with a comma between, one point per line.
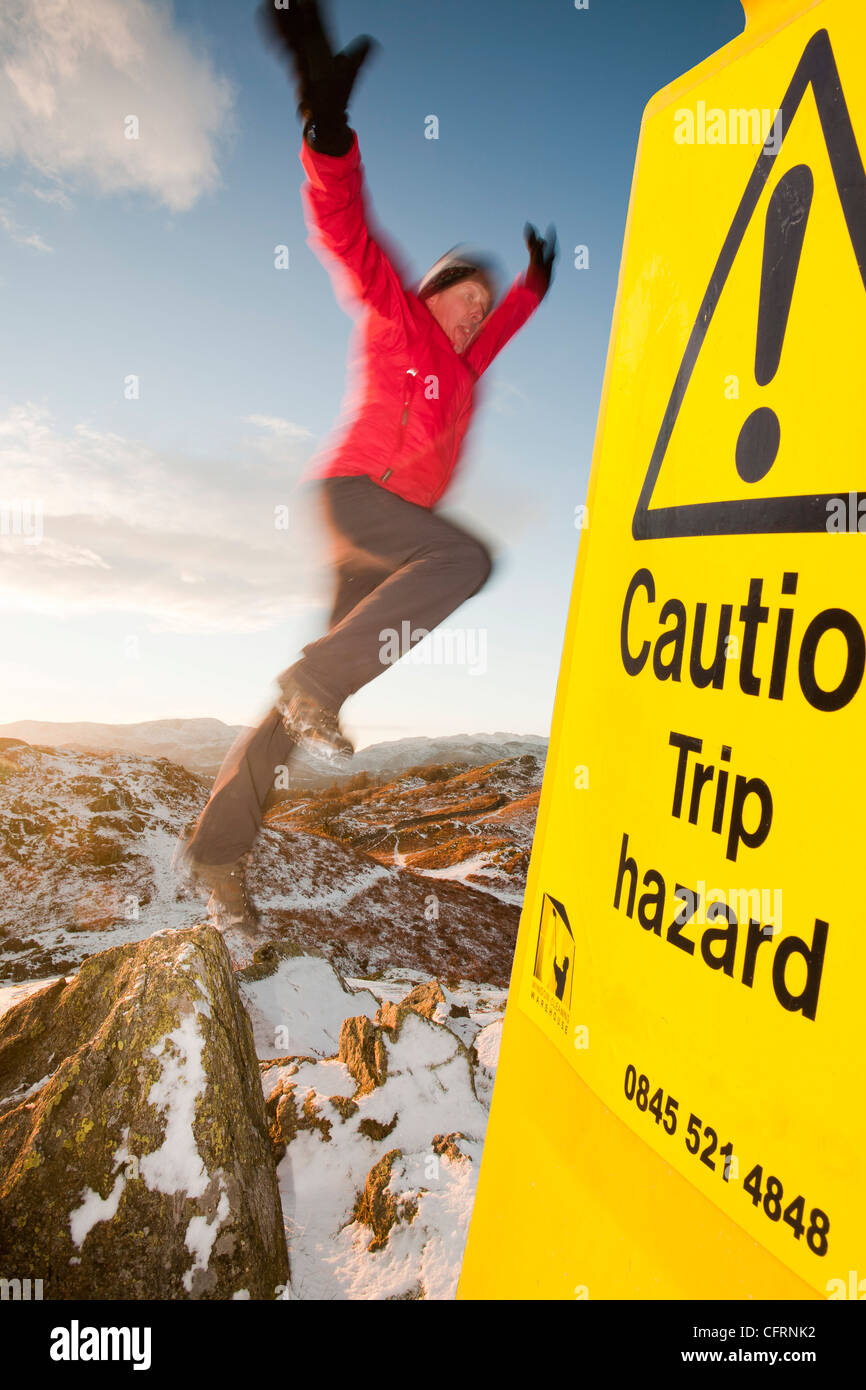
x=487, y=1045
x=480, y=865
x=200, y=1236
x=300, y=1009
x=429, y=1089
x=94, y=1208
x=360, y=882
x=328, y=1077
x=429, y=1250
x=28, y=1091
x=176, y=1166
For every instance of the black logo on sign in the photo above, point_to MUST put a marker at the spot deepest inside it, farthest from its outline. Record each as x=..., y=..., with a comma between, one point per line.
x=554, y=951
x=787, y=216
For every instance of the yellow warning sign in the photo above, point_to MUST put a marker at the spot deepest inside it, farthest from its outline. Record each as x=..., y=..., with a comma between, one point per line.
x=692, y=943
x=747, y=313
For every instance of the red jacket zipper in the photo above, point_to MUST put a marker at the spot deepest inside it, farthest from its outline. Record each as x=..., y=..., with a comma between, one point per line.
x=411, y=376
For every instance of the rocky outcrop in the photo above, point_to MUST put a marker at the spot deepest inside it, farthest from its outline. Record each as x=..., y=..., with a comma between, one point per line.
x=380, y=1128
x=377, y=1207
x=135, y=1161
x=446, y=1146
x=344, y=1107
x=363, y=1052
x=423, y=999
x=376, y=1129
x=285, y=1119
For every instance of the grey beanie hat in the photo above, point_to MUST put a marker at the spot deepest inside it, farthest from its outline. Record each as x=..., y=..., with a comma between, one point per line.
x=462, y=262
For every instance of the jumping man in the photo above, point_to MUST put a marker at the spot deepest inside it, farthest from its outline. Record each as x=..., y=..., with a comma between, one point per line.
x=395, y=559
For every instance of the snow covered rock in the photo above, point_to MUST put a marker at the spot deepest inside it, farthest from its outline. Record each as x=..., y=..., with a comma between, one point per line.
x=135, y=1161
x=286, y=1118
x=297, y=1001
x=423, y=999
x=376, y=1205
x=379, y=1146
x=486, y=1047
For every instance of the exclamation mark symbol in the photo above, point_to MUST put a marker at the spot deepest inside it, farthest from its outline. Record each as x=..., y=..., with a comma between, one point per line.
x=785, y=228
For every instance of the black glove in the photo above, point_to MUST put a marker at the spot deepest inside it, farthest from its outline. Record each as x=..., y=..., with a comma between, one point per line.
x=323, y=79
x=542, y=254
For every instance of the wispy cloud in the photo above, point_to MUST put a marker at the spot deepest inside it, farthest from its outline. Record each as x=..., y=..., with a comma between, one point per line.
x=49, y=195
x=280, y=428
x=275, y=440
x=74, y=71
x=191, y=546
x=17, y=233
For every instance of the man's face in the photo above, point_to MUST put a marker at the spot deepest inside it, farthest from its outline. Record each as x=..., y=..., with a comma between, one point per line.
x=459, y=311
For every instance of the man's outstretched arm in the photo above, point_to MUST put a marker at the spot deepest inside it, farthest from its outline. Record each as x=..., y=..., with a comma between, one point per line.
x=522, y=299
x=334, y=196
x=335, y=203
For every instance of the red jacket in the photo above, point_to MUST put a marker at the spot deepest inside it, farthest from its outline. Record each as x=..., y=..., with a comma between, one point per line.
x=408, y=412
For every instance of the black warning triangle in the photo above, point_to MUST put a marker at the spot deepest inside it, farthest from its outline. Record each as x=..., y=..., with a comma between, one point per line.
x=754, y=516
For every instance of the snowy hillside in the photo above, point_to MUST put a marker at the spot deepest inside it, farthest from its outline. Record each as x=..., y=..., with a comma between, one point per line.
x=376, y=1169
x=86, y=843
x=473, y=826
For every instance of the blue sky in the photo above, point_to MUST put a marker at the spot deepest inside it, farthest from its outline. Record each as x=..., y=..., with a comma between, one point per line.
x=155, y=583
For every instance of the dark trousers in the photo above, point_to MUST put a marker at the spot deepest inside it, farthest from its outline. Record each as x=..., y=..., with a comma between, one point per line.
x=396, y=563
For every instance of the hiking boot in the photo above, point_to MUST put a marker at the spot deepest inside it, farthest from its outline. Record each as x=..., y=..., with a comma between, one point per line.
x=229, y=902
x=312, y=726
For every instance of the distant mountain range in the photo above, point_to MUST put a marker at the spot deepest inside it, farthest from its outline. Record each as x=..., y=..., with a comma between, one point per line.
x=197, y=744
x=201, y=744
x=474, y=750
